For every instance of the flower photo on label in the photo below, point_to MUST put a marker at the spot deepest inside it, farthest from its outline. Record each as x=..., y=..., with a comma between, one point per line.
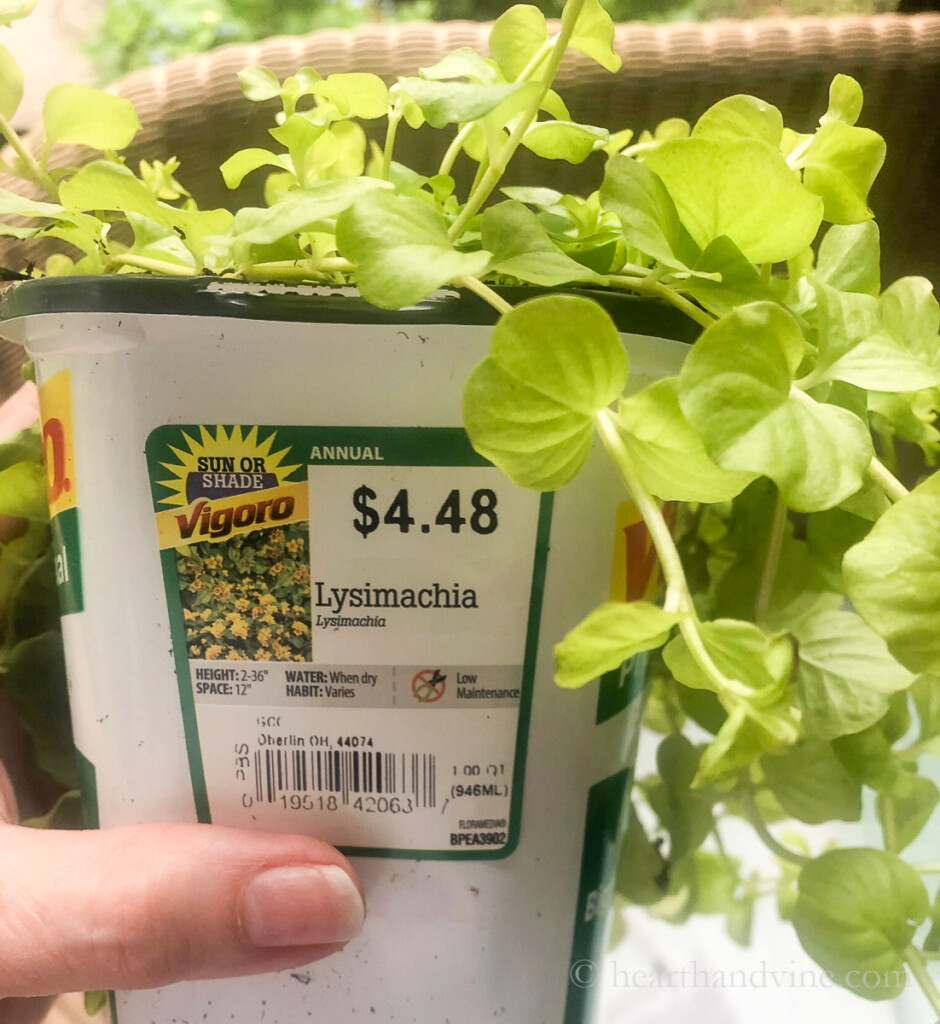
x=248, y=598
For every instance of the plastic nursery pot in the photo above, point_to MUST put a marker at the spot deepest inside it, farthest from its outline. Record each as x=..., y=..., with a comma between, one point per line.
x=295, y=598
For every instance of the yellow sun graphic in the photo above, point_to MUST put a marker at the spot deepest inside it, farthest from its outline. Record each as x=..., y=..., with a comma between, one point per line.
x=236, y=451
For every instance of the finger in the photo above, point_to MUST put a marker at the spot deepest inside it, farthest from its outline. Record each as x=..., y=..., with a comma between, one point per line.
x=20, y=410
x=148, y=905
x=17, y=1011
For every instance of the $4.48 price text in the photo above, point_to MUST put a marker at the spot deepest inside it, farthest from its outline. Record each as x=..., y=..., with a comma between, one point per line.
x=476, y=511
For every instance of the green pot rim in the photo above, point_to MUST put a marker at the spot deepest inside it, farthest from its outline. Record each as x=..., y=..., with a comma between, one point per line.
x=222, y=297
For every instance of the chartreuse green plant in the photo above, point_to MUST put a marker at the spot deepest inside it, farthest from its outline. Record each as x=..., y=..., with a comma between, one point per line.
x=795, y=655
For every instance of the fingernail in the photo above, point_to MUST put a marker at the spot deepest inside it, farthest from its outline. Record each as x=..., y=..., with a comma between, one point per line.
x=305, y=905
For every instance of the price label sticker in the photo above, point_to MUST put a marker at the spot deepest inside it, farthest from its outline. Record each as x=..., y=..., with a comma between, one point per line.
x=355, y=616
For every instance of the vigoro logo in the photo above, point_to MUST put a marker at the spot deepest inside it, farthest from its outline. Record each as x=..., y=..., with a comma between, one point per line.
x=225, y=481
x=204, y=521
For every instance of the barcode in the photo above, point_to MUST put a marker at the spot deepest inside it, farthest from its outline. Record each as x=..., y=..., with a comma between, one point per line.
x=345, y=772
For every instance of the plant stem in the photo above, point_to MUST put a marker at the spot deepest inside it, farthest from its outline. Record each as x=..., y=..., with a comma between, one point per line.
x=474, y=284
x=678, y=597
x=886, y=480
x=128, y=259
x=536, y=60
x=453, y=150
x=494, y=172
x=482, y=167
x=40, y=176
x=796, y=154
x=718, y=840
x=771, y=562
x=640, y=147
x=889, y=825
x=754, y=816
x=297, y=270
x=918, y=965
x=927, y=869
x=332, y=264
x=394, y=119
x=662, y=291
x=669, y=560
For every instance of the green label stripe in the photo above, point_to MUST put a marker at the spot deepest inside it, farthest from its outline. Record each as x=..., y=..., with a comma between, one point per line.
x=67, y=558
x=619, y=688
x=602, y=828
x=88, y=784
x=185, y=686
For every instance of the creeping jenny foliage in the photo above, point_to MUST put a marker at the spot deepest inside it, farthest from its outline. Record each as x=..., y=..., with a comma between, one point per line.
x=794, y=653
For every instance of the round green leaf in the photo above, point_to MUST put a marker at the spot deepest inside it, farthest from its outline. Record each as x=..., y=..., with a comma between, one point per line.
x=642, y=871
x=245, y=161
x=401, y=250
x=855, y=347
x=850, y=258
x=84, y=116
x=668, y=454
x=741, y=189
x=11, y=84
x=741, y=651
x=734, y=389
x=567, y=347
x=594, y=36
x=857, y=912
x=534, y=440
x=906, y=806
x=845, y=675
x=845, y=100
x=840, y=166
x=458, y=102
x=259, y=84
x=103, y=185
x=893, y=577
x=686, y=812
x=462, y=63
x=610, y=635
x=646, y=210
x=516, y=36
x=554, y=362
x=740, y=117
x=812, y=784
x=521, y=248
x=564, y=140
x=356, y=94
x=910, y=313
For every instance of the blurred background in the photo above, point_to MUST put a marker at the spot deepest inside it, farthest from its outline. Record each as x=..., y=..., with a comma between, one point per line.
x=100, y=40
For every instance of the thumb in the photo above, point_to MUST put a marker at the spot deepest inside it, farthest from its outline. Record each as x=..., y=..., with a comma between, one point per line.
x=147, y=905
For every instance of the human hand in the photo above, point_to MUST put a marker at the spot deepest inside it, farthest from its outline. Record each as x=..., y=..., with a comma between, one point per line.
x=147, y=905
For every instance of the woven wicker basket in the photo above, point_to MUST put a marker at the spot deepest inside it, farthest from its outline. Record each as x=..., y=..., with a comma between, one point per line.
x=193, y=108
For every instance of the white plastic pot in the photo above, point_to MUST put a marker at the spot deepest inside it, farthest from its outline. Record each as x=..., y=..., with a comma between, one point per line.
x=401, y=703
